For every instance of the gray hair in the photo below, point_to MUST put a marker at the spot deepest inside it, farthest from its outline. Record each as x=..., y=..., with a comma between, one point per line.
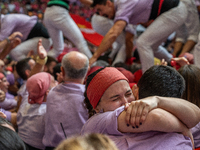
x=71, y=71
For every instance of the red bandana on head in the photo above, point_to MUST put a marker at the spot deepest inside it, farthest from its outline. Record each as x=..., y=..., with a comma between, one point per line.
x=101, y=81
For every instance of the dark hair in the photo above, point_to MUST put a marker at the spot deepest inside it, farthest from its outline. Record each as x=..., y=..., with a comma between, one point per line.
x=161, y=81
x=91, y=111
x=98, y=2
x=22, y=66
x=56, y=69
x=49, y=60
x=191, y=74
x=4, y=121
x=9, y=140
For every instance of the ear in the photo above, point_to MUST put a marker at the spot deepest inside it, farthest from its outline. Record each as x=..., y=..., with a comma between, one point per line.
x=27, y=72
x=62, y=70
x=109, y=3
x=97, y=109
x=135, y=90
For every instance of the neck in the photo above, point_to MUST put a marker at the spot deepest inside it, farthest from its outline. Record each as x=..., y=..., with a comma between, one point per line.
x=77, y=81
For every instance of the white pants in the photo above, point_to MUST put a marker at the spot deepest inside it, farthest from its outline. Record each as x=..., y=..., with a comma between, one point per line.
x=197, y=53
x=190, y=29
x=157, y=32
x=21, y=51
x=58, y=22
x=102, y=25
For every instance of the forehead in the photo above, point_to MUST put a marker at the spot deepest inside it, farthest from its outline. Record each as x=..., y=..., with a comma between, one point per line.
x=1, y=62
x=117, y=88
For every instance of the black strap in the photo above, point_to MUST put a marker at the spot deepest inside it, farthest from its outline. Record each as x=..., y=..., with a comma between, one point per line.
x=167, y=5
x=38, y=31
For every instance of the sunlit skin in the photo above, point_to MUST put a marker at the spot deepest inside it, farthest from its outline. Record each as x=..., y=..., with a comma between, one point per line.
x=115, y=96
x=4, y=84
x=1, y=66
x=107, y=10
x=31, y=63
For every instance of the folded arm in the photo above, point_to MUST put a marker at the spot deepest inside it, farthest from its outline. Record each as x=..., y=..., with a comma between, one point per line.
x=185, y=111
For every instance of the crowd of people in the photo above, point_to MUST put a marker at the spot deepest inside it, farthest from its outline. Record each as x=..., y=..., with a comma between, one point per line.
x=139, y=89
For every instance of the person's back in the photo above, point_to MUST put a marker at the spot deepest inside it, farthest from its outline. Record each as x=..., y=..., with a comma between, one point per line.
x=30, y=117
x=17, y=22
x=66, y=112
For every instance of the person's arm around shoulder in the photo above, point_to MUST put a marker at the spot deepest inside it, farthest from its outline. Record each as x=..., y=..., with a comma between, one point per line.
x=108, y=39
x=157, y=120
x=185, y=111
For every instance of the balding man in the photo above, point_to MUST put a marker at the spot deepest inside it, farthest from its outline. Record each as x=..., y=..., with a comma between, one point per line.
x=66, y=112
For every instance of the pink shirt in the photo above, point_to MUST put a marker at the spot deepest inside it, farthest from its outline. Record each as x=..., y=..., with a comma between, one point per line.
x=133, y=11
x=16, y=22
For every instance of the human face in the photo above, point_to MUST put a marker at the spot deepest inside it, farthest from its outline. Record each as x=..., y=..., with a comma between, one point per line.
x=31, y=63
x=4, y=84
x=51, y=66
x=1, y=66
x=115, y=96
x=107, y=10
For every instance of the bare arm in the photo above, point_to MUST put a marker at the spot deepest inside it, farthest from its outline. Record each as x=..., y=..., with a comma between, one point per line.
x=108, y=39
x=189, y=45
x=7, y=47
x=87, y=2
x=185, y=111
x=157, y=120
x=129, y=45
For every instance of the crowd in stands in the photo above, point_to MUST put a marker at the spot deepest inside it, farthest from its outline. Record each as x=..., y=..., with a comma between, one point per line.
x=37, y=7
x=138, y=89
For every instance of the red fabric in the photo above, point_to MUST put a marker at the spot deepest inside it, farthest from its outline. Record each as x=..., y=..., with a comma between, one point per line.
x=93, y=69
x=160, y=6
x=138, y=75
x=130, y=60
x=131, y=85
x=9, y=68
x=127, y=74
x=101, y=82
x=174, y=64
x=86, y=28
x=197, y=148
x=37, y=85
x=59, y=58
x=1, y=75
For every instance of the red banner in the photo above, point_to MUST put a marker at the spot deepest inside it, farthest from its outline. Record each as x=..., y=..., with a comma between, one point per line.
x=86, y=28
